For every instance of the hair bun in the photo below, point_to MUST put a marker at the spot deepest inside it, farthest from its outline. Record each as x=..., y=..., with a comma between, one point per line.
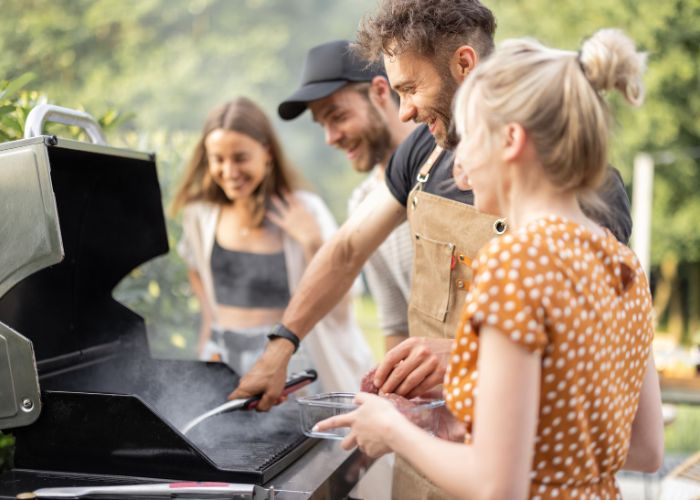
x=610, y=61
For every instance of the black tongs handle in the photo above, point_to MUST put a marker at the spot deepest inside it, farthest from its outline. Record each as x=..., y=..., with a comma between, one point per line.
x=295, y=382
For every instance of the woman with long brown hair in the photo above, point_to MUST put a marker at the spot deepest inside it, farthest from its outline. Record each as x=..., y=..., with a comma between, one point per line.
x=248, y=234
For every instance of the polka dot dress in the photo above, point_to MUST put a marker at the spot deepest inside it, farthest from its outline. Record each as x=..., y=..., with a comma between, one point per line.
x=582, y=301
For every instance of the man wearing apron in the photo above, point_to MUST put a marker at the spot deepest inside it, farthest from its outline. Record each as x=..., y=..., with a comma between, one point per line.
x=447, y=232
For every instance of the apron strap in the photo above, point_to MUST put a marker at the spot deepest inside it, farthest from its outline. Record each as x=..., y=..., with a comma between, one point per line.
x=424, y=172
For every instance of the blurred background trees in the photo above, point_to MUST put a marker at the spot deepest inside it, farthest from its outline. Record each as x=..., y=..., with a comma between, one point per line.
x=162, y=64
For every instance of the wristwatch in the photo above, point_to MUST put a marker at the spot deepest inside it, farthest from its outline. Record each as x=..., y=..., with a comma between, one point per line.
x=281, y=331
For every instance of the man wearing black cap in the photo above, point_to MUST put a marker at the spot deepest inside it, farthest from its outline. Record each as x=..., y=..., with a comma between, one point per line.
x=353, y=103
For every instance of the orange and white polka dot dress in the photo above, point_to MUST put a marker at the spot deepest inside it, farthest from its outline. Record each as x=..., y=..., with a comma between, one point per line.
x=583, y=302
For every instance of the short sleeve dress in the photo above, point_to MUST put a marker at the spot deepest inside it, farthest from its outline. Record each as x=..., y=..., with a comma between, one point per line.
x=582, y=301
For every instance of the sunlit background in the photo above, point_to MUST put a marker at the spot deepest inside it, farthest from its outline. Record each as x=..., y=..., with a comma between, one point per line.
x=151, y=69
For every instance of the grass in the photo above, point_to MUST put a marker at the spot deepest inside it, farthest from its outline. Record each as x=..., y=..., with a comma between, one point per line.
x=683, y=435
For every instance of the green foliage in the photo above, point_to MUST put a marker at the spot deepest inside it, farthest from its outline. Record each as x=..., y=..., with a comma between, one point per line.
x=682, y=435
x=16, y=102
x=170, y=61
x=667, y=125
x=7, y=449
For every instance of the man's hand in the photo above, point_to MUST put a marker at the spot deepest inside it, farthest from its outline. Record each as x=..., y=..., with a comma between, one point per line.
x=268, y=375
x=413, y=367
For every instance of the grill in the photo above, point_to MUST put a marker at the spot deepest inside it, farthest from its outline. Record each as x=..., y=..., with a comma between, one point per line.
x=90, y=405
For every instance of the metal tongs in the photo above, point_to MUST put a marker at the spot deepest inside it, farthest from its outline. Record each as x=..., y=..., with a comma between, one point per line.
x=295, y=382
x=164, y=490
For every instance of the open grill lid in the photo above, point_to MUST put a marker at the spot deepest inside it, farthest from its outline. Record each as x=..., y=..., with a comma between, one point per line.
x=75, y=218
x=109, y=210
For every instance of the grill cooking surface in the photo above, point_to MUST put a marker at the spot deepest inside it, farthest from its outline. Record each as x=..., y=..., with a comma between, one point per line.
x=248, y=438
x=255, y=444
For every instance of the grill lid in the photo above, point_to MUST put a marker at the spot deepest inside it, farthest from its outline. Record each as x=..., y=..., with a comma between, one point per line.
x=103, y=206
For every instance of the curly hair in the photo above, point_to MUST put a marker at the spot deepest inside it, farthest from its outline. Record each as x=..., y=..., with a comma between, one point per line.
x=426, y=27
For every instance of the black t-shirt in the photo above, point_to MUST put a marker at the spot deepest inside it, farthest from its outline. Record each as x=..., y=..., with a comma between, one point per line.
x=407, y=161
x=410, y=156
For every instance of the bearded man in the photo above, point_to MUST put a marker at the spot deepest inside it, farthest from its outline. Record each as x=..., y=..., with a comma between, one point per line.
x=359, y=113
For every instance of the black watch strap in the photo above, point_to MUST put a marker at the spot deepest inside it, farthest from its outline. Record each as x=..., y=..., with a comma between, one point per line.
x=281, y=331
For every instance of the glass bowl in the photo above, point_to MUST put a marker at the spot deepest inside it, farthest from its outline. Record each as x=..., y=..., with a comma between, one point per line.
x=425, y=413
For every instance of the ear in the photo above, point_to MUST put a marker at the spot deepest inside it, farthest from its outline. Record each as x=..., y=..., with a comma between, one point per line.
x=379, y=91
x=464, y=59
x=515, y=140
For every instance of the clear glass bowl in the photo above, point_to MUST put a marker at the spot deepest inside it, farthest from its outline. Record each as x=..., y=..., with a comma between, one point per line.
x=426, y=414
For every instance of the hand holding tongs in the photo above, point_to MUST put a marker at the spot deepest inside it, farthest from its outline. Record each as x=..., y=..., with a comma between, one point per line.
x=294, y=382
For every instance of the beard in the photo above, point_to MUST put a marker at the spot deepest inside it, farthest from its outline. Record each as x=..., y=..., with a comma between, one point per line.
x=376, y=140
x=442, y=109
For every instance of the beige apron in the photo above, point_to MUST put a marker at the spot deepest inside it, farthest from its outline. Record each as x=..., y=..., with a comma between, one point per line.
x=447, y=235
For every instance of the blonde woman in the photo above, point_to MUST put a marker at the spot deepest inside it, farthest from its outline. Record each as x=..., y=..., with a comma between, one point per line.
x=551, y=369
x=248, y=234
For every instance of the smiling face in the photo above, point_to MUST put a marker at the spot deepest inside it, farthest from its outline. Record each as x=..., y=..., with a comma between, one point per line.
x=352, y=123
x=237, y=163
x=425, y=92
x=478, y=162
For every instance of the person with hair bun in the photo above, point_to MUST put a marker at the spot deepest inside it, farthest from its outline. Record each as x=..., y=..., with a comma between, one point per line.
x=248, y=234
x=552, y=368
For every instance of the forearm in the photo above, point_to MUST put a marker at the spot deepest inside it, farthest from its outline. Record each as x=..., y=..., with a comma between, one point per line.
x=647, y=439
x=453, y=467
x=205, y=311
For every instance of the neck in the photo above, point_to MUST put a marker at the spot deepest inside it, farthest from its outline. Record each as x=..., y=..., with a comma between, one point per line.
x=533, y=197
x=240, y=210
x=526, y=207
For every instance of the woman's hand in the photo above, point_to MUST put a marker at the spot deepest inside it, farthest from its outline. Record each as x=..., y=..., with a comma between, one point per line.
x=290, y=215
x=372, y=426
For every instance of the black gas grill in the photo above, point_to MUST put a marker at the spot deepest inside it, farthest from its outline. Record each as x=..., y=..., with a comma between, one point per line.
x=107, y=408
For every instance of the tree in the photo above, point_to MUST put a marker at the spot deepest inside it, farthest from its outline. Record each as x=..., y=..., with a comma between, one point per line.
x=666, y=126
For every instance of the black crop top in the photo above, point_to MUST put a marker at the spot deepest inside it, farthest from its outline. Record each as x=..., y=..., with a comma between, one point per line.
x=244, y=279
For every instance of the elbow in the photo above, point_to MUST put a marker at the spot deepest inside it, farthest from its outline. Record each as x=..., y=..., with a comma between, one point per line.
x=500, y=490
x=652, y=458
x=646, y=458
x=345, y=255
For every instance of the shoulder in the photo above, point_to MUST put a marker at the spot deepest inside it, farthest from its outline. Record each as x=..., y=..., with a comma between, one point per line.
x=198, y=209
x=416, y=148
x=522, y=252
x=311, y=200
x=406, y=162
x=362, y=190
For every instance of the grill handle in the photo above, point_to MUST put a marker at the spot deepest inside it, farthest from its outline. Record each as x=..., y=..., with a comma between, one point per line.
x=42, y=113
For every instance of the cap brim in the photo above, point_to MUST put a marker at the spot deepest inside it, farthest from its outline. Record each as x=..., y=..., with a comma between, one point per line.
x=296, y=103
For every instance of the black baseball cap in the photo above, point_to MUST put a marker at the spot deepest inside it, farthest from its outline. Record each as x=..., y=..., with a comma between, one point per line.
x=327, y=68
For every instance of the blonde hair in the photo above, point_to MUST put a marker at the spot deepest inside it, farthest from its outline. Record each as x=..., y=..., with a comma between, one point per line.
x=557, y=97
x=244, y=116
